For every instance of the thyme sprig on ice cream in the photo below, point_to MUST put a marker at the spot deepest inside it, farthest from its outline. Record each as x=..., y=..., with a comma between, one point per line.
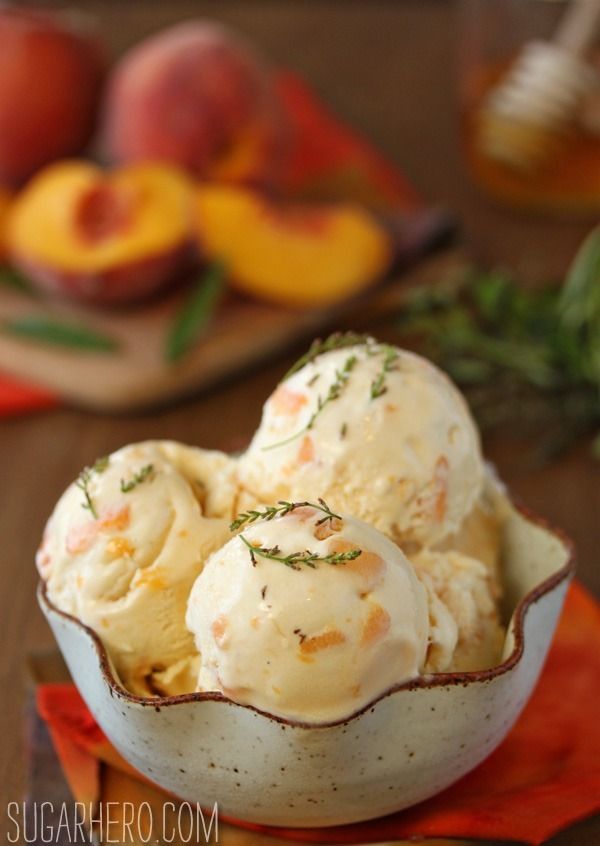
x=280, y=510
x=335, y=389
x=335, y=341
x=84, y=480
x=390, y=360
x=294, y=559
x=361, y=343
x=303, y=557
x=137, y=478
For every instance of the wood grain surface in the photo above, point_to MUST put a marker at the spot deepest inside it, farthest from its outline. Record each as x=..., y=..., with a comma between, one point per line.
x=388, y=68
x=242, y=334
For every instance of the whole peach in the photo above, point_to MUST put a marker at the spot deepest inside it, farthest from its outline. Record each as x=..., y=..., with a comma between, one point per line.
x=188, y=95
x=51, y=69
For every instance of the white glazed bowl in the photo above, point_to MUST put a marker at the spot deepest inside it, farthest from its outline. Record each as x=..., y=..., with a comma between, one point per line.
x=410, y=743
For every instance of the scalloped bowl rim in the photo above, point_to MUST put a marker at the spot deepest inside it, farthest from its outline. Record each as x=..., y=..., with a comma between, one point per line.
x=431, y=680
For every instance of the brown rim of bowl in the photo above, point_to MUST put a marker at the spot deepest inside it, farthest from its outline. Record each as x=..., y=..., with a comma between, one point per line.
x=428, y=681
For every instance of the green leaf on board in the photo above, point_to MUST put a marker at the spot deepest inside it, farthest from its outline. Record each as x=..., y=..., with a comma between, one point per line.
x=198, y=309
x=47, y=330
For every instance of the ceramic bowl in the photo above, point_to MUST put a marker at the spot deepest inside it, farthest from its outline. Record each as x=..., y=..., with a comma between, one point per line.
x=410, y=743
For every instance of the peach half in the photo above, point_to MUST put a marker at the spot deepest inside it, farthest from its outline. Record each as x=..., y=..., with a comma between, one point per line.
x=292, y=255
x=102, y=237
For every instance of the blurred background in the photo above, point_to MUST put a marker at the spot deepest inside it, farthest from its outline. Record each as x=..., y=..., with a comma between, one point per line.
x=191, y=191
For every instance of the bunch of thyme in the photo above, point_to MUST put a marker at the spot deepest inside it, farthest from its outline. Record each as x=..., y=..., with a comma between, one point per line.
x=522, y=357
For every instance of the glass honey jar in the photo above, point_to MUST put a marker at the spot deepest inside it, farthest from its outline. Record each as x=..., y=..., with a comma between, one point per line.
x=549, y=166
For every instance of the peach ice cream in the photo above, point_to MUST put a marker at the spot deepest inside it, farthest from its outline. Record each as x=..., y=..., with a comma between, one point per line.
x=306, y=635
x=309, y=611
x=380, y=433
x=123, y=547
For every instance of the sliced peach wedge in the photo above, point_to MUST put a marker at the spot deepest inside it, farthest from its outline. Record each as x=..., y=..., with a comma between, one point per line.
x=291, y=255
x=102, y=237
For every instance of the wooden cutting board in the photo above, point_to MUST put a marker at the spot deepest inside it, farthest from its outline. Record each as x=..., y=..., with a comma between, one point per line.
x=242, y=335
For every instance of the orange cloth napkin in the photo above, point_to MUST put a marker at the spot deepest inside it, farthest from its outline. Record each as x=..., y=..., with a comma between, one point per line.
x=18, y=398
x=327, y=159
x=544, y=777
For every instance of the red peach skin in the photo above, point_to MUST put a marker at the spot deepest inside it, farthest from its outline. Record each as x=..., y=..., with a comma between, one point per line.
x=191, y=95
x=50, y=77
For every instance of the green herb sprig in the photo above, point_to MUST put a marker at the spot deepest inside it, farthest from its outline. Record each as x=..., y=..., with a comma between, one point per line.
x=525, y=357
x=196, y=313
x=83, y=483
x=46, y=330
x=335, y=389
x=336, y=341
x=295, y=560
x=137, y=478
x=390, y=360
x=280, y=510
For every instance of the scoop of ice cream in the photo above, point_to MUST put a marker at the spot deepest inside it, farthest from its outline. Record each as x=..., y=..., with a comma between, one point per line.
x=380, y=433
x=460, y=592
x=284, y=625
x=124, y=546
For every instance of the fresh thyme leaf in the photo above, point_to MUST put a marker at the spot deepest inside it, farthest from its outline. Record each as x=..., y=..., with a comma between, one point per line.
x=100, y=464
x=83, y=483
x=137, y=478
x=196, y=313
x=390, y=358
x=329, y=514
x=280, y=510
x=336, y=341
x=46, y=330
x=296, y=559
x=335, y=389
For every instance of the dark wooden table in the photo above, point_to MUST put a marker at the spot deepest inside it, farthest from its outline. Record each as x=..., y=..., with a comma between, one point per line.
x=389, y=68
